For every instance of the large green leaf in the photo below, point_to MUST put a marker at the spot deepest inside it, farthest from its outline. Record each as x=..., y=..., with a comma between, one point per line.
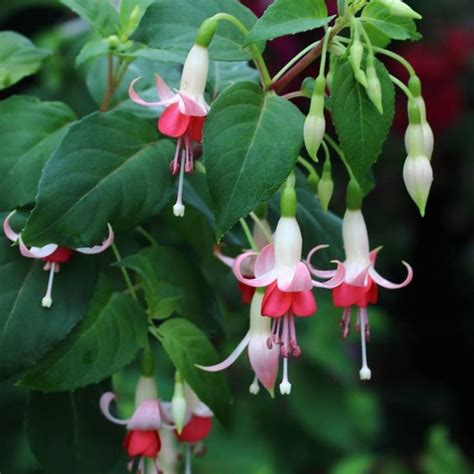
x=108, y=168
x=30, y=130
x=362, y=130
x=68, y=433
x=27, y=330
x=19, y=58
x=287, y=17
x=105, y=341
x=186, y=346
x=251, y=143
x=223, y=74
x=395, y=27
x=172, y=282
x=100, y=14
x=172, y=25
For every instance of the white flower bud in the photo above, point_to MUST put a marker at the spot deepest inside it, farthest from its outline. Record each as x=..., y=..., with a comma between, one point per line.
x=179, y=406
x=374, y=88
x=314, y=128
x=401, y=9
x=418, y=176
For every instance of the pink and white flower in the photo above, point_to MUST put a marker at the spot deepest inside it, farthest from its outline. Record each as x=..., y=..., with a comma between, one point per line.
x=279, y=269
x=263, y=358
x=143, y=439
x=356, y=279
x=184, y=114
x=53, y=254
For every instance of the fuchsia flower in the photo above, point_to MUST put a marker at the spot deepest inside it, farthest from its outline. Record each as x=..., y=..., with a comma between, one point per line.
x=184, y=114
x=279, y=269
x=356, y=280
x=52, y=254
x=142, y=439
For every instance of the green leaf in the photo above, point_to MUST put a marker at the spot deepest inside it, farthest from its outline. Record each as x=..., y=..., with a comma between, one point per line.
x=100, y=14
x=27, y=330
x=91, y=50
x=360, y=127
x=356, y=464
x=108, y=168
x=19, y=58
x=170, y=278
x=30, y=131
x=186, y=346
x=223, y=74
x=251, y=143
x=104, y=342
x=172, y=25
x=287, y=17
x=68, y=433
x=395, y=27
x=125, y=13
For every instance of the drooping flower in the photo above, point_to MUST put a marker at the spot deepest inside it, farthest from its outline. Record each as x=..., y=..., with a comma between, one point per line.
x=356, y=279
x=288, y=287
x=184, y=114
x=263, y=358
x=142, y=439
x=52, y=254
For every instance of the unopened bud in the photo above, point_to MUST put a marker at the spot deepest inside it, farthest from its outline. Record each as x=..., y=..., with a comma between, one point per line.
x=313, y=181
x=418, y=176
x=178, y=404
x=374, y=88
x=325, y=186
x=315, y=123
x=356, y=53
x=401, y=9
x=114, y=41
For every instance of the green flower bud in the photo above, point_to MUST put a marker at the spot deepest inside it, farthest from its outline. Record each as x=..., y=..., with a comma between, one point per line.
x=326, y=186
x=374, y=88
x=315, y=123
x=288, y=200
x=178, y=404
x=313, y=181
x=401, y=9
x=206, y=32
x=114, y=41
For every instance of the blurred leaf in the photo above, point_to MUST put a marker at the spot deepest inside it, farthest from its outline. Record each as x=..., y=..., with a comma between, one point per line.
x=441, y=455
x=19, y=58
x=27, y=330
x=395, y=27
x=105, y=341
x=359, y=464
x=127, y=7
x=186, y=346
x=109, y=168
x=100, y=14
x=171, y=279
x=243, y=126
x=287, y=17
x=68, y=432
x=361, y=129
x=91, y=50
x=30, y=131
x=223, y=74
x=172, y=25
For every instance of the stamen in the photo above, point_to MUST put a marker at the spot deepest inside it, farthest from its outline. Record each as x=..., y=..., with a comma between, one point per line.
x=285, y=338
x=189, y=155
x=174, y=165
x=285, y=386
x=254, y=387
x=364, y=372
x=188, y=458
x=178, y=208
x=295, y=348
x=47, y=301
x=346, y=321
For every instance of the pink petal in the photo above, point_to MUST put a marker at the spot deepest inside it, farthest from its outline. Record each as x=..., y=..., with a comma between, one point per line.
x=190, y=106
x=264, y=361
x=231, y=359
x=138, y=100
x=98, y=248
x=146, y=417
x=347, y=295
x=314, y=270
x=304, y=303
x=196, y=128
x=265, y=261
x=223, y=258
x=36, y=252
x=165, y=92
x=388, y=284
x=172, y=122
x=260, y=281
x=297, y=280
x=105, y=401
x=9, y=232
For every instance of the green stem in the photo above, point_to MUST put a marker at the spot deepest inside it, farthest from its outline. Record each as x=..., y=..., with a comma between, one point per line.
x=401, y=85
x=125, y=274
x=260, y=225
x=327, y=155
x=368, y=43
x=294, y=60
x=322, y=64
x=340, y=153
x=147, y=236
x=306, y=164
x=113, y=80
x=257, y=57
x=248, y=234
x=295, y=95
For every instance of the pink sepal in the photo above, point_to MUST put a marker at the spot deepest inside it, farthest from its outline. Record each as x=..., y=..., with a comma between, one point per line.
x=265, y=261
x=373, y=254
x=164, y=90
x=190, y=106
x=223, y=258
x=138, y=100
x=338, y=277
x=98, y=248
x=36, y=252
x=9, y=232
x=314, y=270
x=380, y=280
x=260, y=280
x=264, y=361
x=105, y=401
x=295, y=279
x=231, y=359
x=147, y=416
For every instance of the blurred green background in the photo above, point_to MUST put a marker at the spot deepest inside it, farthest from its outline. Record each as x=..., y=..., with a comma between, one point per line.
x=415, y=416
